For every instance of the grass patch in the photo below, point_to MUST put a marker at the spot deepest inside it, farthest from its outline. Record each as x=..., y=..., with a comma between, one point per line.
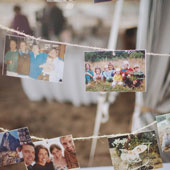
x=107, y=87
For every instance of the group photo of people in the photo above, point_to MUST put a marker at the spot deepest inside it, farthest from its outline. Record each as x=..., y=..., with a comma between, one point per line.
x=53, y=154
x=38, y=60
x=115, y=71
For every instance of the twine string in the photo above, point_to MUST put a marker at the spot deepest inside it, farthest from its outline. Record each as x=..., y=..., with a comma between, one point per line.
x=69, y=44
x=93, y=137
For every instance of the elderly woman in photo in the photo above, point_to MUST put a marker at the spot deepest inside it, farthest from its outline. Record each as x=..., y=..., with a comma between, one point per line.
x=42, y=159
x=59, y=160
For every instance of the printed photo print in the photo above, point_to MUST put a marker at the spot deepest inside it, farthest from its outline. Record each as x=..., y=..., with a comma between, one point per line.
x=11, y=143
x=53, y=154
x=115, y=71
x=135, y=152
x=38, y=60
x=163, y=124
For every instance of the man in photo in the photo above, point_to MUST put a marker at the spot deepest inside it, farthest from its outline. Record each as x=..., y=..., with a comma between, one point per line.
x=28, y=152
x=23, y=59
x=11, y=58
x=69, y=152
x=37, y=58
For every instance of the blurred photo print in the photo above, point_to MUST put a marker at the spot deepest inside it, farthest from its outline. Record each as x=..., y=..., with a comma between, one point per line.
x=123, y=71
x=135, y=152
x=38, y=60
x=96, y=1
x=11, y=144
x=163, y=125
x=19, y=166
x=55, y=154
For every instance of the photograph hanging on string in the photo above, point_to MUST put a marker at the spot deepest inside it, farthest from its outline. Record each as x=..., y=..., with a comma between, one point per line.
x=11, y=143
x=135, y=151
x=33, y=59
x=55, y=154
x=163, y=124
x=120, y=70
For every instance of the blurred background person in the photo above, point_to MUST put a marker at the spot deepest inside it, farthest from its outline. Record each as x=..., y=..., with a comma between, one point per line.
x=52, y=21
x=20, y=21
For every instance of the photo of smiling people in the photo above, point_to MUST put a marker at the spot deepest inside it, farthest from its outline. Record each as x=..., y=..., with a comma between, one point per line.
x=38, y=60
x=163, y=124
x=11, y=143
x=135, y=152
x=55, y=154
x=123, y=71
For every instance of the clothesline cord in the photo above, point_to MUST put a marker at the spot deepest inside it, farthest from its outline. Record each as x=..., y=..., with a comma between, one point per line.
x=69, y=44
x=93, y=137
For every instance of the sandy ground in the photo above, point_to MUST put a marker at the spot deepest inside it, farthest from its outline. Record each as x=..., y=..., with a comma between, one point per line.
x=55, y=119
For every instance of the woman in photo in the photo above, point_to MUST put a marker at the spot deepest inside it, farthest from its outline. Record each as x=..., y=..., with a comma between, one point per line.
x=42, y=159
x=59, y=161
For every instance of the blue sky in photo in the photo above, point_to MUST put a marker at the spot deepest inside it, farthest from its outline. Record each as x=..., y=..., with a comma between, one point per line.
x=13, y=133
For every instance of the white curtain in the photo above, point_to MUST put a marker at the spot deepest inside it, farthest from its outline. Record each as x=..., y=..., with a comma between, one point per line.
x=153, y=35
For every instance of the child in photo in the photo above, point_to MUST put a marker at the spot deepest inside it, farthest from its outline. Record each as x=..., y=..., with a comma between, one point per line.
x=126, y=73
x=11, y=58
x=47, y=69
x=117, y=78
x=23, y=59
x=88, y=73
x=111, y=72
x=98, y=74
x=108, y=72
x=138, y=76
x=56, y=75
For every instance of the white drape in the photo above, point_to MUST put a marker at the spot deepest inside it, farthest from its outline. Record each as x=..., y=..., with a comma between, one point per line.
x=153, y=35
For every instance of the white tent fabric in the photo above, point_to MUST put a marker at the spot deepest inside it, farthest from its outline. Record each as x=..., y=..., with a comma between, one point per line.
x=153, y=35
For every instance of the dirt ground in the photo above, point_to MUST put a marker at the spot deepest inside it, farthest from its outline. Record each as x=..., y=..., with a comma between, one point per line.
x=55, y=119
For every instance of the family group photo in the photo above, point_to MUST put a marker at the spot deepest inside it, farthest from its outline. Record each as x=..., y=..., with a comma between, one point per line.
x=115, y=71
x=11, y=143
x=53, y=154
x=163, y=124
x=135, y=152
x=38, y=60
